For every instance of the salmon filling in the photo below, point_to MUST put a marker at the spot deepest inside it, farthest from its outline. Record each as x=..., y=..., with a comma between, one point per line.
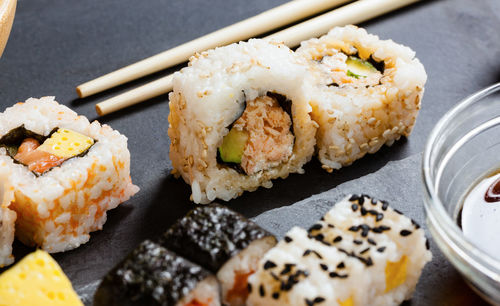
x=36, y=160
x=269, y=139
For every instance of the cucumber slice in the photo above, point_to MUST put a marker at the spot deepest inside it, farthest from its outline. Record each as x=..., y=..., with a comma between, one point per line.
x=233, y=146
x=358, y=68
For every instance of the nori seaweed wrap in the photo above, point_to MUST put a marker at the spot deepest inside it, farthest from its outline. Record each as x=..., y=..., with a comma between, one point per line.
x=222, y=241
x=153, y=275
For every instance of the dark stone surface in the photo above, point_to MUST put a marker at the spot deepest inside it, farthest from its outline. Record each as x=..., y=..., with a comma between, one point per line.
x=56, y=45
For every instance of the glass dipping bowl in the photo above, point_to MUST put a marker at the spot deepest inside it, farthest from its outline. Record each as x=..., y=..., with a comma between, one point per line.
x=463, y=147
x=7, y=11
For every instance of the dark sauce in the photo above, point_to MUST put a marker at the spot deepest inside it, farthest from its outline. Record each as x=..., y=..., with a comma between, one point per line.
x=493, y=192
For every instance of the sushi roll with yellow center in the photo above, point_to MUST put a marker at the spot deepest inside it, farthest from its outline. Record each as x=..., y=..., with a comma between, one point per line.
x=66, y=172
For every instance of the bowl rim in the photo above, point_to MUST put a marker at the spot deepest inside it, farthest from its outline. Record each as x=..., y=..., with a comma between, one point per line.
x=443, y=223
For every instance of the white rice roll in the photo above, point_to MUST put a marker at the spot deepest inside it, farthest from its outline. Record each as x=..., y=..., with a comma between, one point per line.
x=392, y=246
x=365, y=93
x=303, y=271
x=59, y=208
x=224, y=89
x=7, y=218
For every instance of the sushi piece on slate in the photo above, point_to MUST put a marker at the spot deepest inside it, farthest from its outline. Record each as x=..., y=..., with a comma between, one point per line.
x=365, y=93
x=7, y=218
x=153, y=275
x=37, y=280
x=362, y=252
x=224, y=242
x=66, y=172
x=239, y=118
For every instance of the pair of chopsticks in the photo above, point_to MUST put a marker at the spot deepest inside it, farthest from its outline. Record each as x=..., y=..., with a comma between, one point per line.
x=290, y=12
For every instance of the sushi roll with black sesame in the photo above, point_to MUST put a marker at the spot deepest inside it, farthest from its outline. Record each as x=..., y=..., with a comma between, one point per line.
x=239, y=118
x=304, y=271
x=362, y=252
x=366, y=92
x=224, y=242
x=153, y=275
x=392, y=245
x=7, y=218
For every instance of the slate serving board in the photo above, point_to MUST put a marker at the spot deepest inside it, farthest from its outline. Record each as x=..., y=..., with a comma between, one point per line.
x=58, y=44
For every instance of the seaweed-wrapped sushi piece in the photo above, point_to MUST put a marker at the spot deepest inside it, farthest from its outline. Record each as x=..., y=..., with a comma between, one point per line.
x=7, y=218
x=153, y=275
x=362, y=252
x=365, y=92
x=239, y=118
x=224, y=242
x=65, y=171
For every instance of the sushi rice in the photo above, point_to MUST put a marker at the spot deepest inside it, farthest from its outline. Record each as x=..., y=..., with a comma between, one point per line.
x=59, y=208
x=7, y=217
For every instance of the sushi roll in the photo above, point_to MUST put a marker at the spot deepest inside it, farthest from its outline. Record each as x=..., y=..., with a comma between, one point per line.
x=65, y=171
x=239, y=118
x=153, y=275
x=392, y=246
x=7, y=218
x=224, y=242
x=362, y=252
x=37, y=280
x=303, y=271
x=365, y=92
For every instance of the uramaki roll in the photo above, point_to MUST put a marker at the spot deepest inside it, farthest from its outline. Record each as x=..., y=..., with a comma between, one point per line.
x=7, y=218
x=239, y=118
x=66, y=172
x=365, y=93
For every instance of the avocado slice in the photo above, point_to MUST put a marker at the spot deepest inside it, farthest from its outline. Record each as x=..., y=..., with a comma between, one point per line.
x=233, y=146
x=358, y=68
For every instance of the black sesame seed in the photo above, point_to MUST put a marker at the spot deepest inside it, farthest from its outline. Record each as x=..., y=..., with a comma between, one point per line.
x=381, y=249
x=341, y=265
x=354, y=228
x=249, y=288
x=365, y=250
x=373, y=212
x=363, y=211
x=331, y=226
x=353, y=198
x=427, y=246
x=364, y=229
x=354, y=207
x=316, y=227
x=371, y=241
x=337, y=239
x=318, y=300
x=379, y=217
x=323, y=267
x=417, y=226
x=288, y=239
x=319, y=237
x=358, y=242
x=361, y=200
x=374, y=201
x=397, y=211
x=322, y=219
x=262, y=292
x=276, y=295
x=306, y=253
x=317, y=255
x=369, y=261
x=384, y=228
x=405, y=233
x=269, y=265
x=385, y=204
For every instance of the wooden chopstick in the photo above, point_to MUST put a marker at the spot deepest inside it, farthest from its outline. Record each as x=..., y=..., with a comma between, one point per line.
x=355, y=12
x=251, y=27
